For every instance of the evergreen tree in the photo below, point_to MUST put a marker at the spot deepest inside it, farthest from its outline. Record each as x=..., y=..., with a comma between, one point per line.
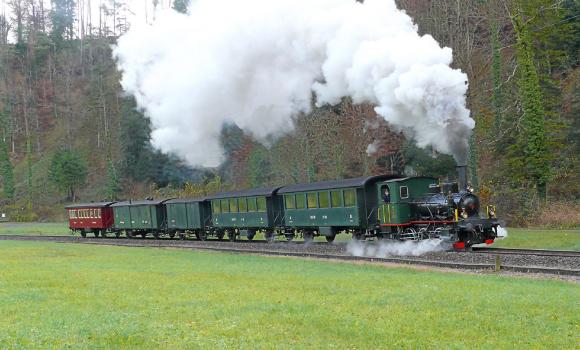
x=6, y=169
x=259, y=167
x=67, y=171
x=113, y=188
x=496, y=69
x=531, y=144
x=62, y=16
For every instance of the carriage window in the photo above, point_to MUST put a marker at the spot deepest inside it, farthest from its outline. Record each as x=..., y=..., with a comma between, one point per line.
x=215, y=205
x=233, y=205
x=323, y=200
x=242, y=205
x=300, y=201
x=261, y=204
x=349, y=198
x=225, y=206
x=311, y=199
x=252, y=204
x=335, y=199
x=404, y=191
x=290, y=201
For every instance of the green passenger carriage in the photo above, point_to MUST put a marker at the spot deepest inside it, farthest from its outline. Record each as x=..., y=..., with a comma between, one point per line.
x=329, y=207
x=244, y=213
x=140, y=217
x=186, y=216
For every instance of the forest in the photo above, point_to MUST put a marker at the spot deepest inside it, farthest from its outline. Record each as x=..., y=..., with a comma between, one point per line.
x=68, y=132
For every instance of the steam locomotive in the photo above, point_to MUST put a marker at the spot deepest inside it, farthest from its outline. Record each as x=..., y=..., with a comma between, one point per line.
x=380, y=207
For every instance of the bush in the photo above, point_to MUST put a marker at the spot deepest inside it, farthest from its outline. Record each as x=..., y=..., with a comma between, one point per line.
x=560, y=215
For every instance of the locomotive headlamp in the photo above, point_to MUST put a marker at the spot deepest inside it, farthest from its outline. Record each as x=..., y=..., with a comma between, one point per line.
x=464, y=213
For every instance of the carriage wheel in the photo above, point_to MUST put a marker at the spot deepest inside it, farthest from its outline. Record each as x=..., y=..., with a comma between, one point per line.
x=155, y=235
x=83, y=234
x=250, y=236
x=143, y=234
x=117, y=234
x=308, y=236
x=96, y=233
x=289, y=236
x=103, y=233
x=330, y=239
x=182, y=236
x=220, y=235
x=270, y=237
x=232, y=236
x=171, y=234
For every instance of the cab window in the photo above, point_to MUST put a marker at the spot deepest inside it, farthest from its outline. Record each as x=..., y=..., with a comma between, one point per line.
x=252, y=204
x=242, y=205
x=404, y=191
x=290, y=201
x=300, y=201
x=215, y=205
x=349, y=198
x=323, y=200
x=261, y=204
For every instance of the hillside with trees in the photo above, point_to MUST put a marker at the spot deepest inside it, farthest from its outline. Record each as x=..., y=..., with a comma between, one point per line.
x=69, y=133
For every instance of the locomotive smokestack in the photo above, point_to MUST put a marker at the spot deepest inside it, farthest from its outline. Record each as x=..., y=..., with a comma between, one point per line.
x=462, y=177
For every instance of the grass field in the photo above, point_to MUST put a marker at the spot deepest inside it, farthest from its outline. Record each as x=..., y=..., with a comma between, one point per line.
x=55, y=296
x=34, y=228
x=540, y=239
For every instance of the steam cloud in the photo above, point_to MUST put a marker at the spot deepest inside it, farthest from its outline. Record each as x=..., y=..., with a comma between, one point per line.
x=501, y=232
x=257, y=63
x=406, y=248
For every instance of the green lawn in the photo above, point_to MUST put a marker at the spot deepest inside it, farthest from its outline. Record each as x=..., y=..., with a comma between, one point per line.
x=34, y=228
x=56, y=296
x=540, y=239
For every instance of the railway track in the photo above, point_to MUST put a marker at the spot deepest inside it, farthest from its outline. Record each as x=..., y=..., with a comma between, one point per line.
x=519, y=251
x=304, y=251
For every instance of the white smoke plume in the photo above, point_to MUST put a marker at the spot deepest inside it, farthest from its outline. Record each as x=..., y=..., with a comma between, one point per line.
x=386, y=249
x=372, y=148
x=257, y=63
x=502, y=233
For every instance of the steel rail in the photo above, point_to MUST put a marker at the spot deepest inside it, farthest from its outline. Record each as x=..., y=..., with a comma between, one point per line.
x=521, y=251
